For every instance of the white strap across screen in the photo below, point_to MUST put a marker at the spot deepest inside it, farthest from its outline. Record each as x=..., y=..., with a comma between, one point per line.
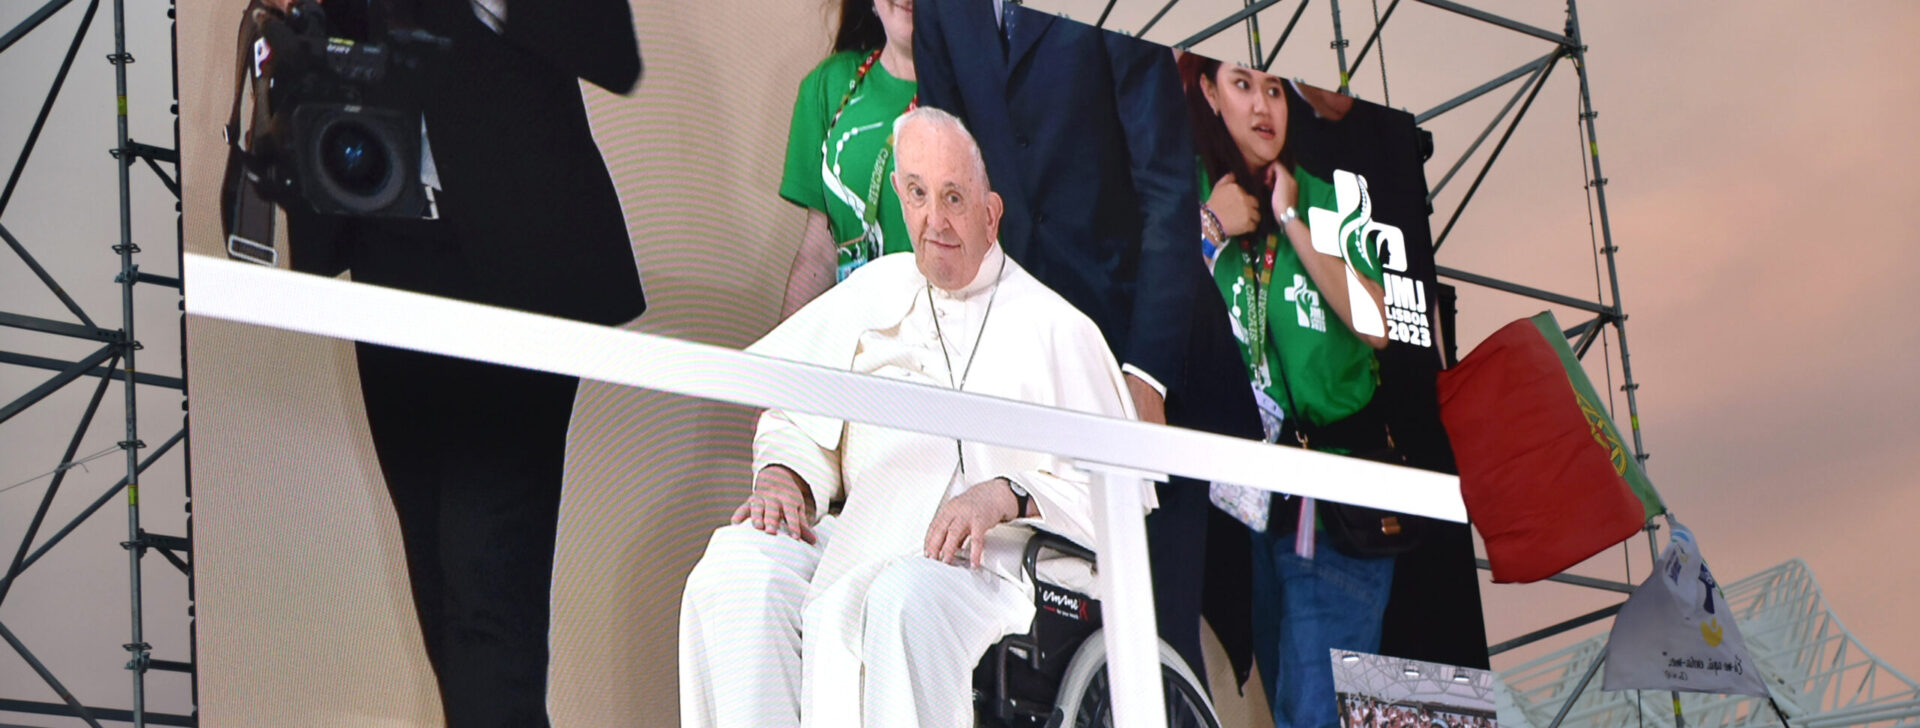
x=327, y=307
x=1117, y=451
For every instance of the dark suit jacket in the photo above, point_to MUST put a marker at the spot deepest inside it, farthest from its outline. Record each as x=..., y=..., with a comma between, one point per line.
x=526, y=200
x=1086, y=137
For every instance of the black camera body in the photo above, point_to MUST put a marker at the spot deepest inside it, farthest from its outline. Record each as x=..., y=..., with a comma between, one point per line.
x=334, y=125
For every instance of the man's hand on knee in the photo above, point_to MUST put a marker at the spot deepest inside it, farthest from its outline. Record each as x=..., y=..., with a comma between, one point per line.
x=964, y=520
x=780, y=502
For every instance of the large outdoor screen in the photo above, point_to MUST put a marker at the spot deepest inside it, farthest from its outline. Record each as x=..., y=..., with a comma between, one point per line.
x=1249, y=255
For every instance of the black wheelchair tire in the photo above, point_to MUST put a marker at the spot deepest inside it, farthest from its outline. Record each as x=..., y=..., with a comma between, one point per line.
x=1085, y=700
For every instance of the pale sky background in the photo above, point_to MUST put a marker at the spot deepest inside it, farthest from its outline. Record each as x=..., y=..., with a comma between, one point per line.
x=1760, y=163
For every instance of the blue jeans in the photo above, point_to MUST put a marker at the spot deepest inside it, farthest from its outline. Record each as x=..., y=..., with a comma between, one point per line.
x=1302, y=609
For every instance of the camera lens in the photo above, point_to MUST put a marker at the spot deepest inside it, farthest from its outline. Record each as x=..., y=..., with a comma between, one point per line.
x=355, y=159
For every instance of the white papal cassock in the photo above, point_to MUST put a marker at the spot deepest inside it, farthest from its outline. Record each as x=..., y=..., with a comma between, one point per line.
x=861, y=628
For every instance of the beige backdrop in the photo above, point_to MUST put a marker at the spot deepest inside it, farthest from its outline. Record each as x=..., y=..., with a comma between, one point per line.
x=305, y=614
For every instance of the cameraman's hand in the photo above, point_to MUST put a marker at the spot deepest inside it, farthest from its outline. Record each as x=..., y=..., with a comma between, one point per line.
x=780, y=501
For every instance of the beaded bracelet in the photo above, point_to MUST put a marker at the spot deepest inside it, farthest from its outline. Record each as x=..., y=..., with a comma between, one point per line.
x=1210, y=224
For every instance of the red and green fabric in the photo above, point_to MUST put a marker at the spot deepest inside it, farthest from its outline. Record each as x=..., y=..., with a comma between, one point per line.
x=1547, y=478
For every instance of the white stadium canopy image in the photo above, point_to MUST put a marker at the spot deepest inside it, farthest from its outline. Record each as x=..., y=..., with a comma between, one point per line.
x=1819, y=674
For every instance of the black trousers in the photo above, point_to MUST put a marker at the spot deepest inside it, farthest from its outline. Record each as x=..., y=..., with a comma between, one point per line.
x=1200, y=556
x=472, y=454
x=1177, y=552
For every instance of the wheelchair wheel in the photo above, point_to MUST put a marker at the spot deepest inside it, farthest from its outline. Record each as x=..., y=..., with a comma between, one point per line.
x=1086, y=700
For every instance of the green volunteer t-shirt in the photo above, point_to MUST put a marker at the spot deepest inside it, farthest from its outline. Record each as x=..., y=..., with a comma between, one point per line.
x=1313, y=361
x=841, y=183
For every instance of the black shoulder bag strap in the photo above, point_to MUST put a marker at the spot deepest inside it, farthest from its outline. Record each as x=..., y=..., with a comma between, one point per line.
x=247, y=217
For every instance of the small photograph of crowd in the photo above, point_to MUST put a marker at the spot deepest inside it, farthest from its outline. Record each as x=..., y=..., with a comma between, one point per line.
x=1363, y=712
x=1376, y=691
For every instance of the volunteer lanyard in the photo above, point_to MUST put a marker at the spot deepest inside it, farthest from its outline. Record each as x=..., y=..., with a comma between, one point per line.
x=870, y=217
x=1307, y=519
x=1257, y=327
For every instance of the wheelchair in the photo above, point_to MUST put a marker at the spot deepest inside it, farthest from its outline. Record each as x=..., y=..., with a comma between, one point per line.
x=1055, y=675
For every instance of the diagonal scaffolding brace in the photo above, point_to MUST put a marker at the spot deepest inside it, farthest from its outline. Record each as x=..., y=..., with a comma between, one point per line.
x=1298, y=10
x=32, y=21
x=72, y=703
x=73, y=371
x=1231, y=20
x=53, y=92
x=51, y=364
x=1539, y=69
x=1512, y=25
x=94, y=507
x=1374, y=37
x=45, y=277
x=59, y=476
x=1540, y=82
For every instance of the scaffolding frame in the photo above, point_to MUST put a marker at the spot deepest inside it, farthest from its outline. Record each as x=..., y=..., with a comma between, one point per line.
x=112, y=361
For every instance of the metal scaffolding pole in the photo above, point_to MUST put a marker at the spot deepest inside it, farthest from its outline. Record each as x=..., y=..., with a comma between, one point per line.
x=1253, y=35
x=1598, y=183
x=129, y=345
x=1340, y=48
x=1578, y=50
x=1610, y=311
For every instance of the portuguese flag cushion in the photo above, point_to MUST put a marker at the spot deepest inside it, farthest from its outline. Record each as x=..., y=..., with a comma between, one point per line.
x=1546, y=477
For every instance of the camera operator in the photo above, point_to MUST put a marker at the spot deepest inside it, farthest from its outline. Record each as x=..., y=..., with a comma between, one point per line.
x=521, y=213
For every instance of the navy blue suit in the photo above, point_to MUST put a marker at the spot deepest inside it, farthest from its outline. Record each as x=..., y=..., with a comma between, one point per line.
x=1086, y=137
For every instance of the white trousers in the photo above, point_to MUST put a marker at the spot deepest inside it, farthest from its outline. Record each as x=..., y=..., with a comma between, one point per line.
x=748, y=627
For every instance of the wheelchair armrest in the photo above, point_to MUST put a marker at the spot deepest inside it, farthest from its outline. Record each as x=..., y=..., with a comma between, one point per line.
x=1003, y=704
x=1042, y=539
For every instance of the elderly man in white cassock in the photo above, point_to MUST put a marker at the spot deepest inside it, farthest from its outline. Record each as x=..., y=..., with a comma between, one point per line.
x=876, y=616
